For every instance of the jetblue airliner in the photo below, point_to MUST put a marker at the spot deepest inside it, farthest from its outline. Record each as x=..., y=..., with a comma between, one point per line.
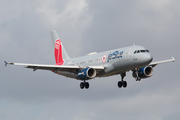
x=118, y=61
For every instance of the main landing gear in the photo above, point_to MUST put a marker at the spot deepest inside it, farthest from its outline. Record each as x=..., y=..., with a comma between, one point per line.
x=84, y=85
x=122, y=83
x=135, y=74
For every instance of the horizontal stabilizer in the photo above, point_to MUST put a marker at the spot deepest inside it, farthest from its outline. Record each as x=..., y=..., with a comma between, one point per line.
x=5, y=63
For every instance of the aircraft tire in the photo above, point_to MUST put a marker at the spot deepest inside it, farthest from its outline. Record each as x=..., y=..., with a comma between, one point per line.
x=86, y=85
x=120, y=84
x=138, y=79
x=82, y=85
x=124, y=83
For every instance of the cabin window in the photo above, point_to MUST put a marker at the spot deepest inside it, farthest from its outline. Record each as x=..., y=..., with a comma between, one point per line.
x=90, y=61
x=82, y=62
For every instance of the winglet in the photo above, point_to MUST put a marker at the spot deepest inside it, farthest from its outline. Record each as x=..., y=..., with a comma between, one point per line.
x=173, y=59
x=5, y=63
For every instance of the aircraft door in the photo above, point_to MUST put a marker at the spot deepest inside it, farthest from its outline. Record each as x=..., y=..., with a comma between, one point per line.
x=127, y=54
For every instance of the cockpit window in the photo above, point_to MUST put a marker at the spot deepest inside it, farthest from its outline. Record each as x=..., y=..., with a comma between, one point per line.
x=147, y=50
x=143, y=51
x=140, y=51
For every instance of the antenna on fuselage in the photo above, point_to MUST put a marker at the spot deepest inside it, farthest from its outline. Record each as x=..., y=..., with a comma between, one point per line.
x=134, y=44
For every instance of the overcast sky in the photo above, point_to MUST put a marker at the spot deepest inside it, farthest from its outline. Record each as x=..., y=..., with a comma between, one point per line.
x=86, y=26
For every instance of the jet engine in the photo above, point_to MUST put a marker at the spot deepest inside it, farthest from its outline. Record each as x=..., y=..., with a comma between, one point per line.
x=87, y=73
x=144, y=72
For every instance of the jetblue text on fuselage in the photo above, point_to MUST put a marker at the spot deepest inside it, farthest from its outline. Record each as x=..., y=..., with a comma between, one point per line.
x=114, y=55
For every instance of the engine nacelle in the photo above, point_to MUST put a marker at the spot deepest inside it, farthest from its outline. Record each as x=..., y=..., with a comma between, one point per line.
x=144, y=72
x=87, y=73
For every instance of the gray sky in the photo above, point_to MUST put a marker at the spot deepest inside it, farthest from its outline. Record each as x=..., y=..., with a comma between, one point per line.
x=86, y=26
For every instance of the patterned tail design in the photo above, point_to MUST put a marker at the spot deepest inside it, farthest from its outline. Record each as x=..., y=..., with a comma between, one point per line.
x=59, y=51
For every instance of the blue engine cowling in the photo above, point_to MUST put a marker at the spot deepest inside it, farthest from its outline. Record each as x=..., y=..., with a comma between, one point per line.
x=144, y=72
x=85, y=74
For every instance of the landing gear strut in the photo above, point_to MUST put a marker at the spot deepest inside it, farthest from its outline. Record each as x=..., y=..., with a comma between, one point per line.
x=122, y=83
x=84, y=85
x=135, y=72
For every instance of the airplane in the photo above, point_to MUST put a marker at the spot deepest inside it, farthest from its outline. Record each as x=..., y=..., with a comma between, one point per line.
x=137, y=59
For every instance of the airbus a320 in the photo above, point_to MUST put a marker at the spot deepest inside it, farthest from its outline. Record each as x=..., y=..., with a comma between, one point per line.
x=113, y=62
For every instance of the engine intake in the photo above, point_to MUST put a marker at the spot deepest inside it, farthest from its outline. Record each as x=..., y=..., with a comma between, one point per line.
x=87, y=73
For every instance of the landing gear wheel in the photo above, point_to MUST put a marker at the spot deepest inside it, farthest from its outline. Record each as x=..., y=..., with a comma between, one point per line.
x=86, y=85
x=124, y=83
x=82, y=85
x=138, y=79
x=119, y=84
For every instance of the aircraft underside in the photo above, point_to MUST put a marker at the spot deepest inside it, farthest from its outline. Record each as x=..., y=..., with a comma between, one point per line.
x=85, y=84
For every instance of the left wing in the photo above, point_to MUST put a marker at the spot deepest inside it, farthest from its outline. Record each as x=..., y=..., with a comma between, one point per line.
x=70, y=68
x=153, y=64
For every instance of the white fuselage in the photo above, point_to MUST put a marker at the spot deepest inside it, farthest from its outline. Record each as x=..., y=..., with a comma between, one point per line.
x=114, y=61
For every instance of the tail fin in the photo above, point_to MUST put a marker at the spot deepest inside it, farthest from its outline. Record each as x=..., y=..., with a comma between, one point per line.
x=59, y=51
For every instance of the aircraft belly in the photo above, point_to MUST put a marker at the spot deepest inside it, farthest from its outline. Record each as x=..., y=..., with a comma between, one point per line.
x=113, y=68
x=66, y=74
x=69, y=75
x=116, y=67
x=103, y=74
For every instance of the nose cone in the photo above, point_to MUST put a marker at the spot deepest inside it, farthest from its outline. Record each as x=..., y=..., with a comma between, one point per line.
x=146, y=59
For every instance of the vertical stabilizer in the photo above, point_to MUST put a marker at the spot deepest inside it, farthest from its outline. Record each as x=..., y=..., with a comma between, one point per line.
x=59, y=51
